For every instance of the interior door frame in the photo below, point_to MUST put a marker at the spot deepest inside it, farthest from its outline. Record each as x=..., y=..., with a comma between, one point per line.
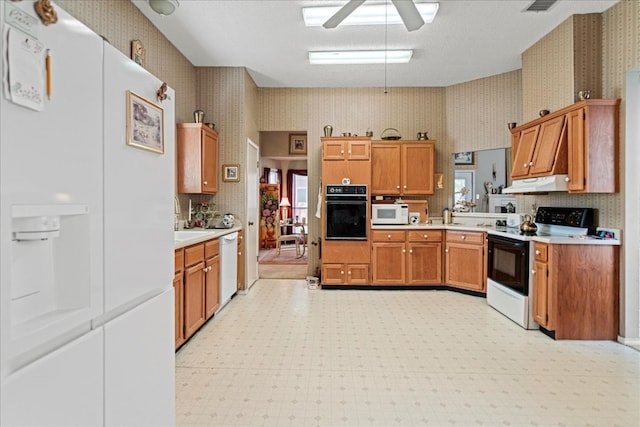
x=252, y=215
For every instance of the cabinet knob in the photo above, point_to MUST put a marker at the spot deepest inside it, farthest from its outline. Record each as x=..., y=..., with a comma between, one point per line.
x=205, y=182
x=530, y=163
x=446, y=250
x=404, y=251
x=388, y=236
x=410, y=251
x=533, y=272
x=398, y=187
x=349, y=152
x=525, y=165
x=426, y=236
x=405, y=187
x=341, y=272
x=538, y=252
x=567, y=179
x=341, y=151
x=349, y=272
x=463, y=237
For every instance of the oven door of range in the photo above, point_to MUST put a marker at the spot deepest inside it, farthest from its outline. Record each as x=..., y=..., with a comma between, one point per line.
x=508, y=263
x=346, y=218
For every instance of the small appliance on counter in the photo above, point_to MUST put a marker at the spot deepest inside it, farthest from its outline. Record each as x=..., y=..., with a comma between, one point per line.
x=513, y=220
x=390, y=214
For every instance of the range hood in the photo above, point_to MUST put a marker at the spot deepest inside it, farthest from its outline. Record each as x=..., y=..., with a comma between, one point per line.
x=543, y=184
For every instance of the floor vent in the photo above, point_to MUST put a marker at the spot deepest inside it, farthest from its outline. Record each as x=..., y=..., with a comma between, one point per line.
x=540, y=5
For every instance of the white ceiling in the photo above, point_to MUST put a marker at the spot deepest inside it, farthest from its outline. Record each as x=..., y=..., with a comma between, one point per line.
x=469, y=39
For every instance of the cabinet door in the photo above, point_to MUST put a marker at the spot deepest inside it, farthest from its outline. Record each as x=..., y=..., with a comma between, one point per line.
x=389, y=263
x=424, y=264
x=212, y=285
x=333, y=150
x=194, y=315
x=209, y=162
x=358, y=150
x=178, y=289
x=358, y=274
x=524, y=152
x=546, y=151
x=576, y=147
x=385, y=165
x=465, y=266
x=540, y=293
x=333, y=274
x=417, y=169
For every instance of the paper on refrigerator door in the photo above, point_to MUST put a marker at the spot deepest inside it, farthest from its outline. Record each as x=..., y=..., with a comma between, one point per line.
x=26, y=76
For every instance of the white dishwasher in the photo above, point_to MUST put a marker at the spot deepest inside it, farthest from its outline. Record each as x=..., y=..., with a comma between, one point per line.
x=228, y=267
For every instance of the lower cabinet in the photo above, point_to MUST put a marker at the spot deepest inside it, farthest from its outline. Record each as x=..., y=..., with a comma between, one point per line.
x=465, y=260
x=197, y=287
x=576, y=290
x=211, y=277
x=345, y=274
x=413, y=257
x=178, y=291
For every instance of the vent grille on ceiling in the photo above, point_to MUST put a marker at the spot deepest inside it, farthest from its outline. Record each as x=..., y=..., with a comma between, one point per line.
x=540, y=5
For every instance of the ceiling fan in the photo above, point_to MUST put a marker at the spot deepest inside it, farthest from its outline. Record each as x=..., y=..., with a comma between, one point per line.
x=406, y=9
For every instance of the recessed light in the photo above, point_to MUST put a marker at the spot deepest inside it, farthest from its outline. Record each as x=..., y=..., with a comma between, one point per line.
x=367, y=14
x=164, y=7
x=360, y=57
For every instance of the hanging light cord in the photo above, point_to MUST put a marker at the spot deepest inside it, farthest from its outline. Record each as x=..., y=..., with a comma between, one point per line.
x=386, y=13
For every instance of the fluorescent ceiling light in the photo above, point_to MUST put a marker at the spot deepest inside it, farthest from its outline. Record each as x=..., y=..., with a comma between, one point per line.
x=367, y=14
x=164, y=7
x=360, y=57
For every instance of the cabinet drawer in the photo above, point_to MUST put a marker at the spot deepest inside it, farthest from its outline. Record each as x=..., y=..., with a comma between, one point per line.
x=178, y=260
x=387, y=235
x=540, y=250
x=425, y=236
x=465, y=237
x=211, y=248
x=193, y=254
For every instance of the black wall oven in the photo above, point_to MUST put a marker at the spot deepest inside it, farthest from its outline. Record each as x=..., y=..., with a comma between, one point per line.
x=346, y=212
x=508, y=263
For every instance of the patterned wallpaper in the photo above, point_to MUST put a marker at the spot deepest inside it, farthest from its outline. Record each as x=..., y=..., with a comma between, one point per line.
x=548, y=82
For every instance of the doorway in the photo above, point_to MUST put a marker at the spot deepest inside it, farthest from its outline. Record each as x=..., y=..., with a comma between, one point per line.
x=283, y=176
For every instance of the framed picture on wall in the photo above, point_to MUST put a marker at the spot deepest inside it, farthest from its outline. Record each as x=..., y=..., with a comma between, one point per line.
x=231, y=173
x=464, y=158
x=145, y=124
x=297, y=143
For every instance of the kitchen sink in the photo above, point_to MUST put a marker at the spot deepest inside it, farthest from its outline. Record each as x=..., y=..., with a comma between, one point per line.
x=182, y=235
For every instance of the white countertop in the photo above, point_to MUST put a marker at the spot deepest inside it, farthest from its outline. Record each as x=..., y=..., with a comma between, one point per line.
x=503, y=231
x=204, y=234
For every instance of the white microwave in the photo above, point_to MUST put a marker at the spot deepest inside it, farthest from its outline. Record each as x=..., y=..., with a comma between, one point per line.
x=396, y=214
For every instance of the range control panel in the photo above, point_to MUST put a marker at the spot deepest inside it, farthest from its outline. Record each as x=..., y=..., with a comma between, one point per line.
x=568, y=217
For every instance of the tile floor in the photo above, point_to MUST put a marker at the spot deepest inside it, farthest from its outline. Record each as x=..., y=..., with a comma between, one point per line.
x=284, y=355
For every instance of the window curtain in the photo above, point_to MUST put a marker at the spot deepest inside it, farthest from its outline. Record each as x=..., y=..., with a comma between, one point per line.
x=265, y=174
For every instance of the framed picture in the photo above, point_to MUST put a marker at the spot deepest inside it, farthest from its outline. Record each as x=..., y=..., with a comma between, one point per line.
x=465, y=158
x=297, y=143
x=137, y=52
x=231, y=173
x=145, y=124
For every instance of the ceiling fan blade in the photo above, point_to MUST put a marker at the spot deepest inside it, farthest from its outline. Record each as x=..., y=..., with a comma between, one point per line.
x=409, y=14
x=340, y=15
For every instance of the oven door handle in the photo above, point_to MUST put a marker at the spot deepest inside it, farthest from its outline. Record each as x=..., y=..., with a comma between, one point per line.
x=506, y=241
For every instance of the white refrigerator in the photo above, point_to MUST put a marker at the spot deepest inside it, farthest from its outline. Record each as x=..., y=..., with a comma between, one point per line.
x=86, y=229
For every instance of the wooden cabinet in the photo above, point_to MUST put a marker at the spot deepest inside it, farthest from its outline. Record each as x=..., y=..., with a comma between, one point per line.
x=178, y=290
x=593, y=135
x=424, y=260
x=581, y=141
x=541, y=149
x=194, y=309
x=197, y=152
x=211, y=277
x=576, y=290
x=346, y=157
x=404, y=258
x=240, y=261
x=345, y=274
x=402, y=168
x=465, y=260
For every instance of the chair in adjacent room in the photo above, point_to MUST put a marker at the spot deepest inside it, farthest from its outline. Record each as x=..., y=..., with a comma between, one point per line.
x=301, y=242
x=285, y=238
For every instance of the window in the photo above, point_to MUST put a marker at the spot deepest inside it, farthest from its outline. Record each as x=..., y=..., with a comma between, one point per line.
x=300, y=204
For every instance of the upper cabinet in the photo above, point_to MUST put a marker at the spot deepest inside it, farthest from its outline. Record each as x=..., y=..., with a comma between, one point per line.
x=580, y=140
x=346, y=159
x=197, y=147
x=402, y=168
x=593, y=134
x=541, y=150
